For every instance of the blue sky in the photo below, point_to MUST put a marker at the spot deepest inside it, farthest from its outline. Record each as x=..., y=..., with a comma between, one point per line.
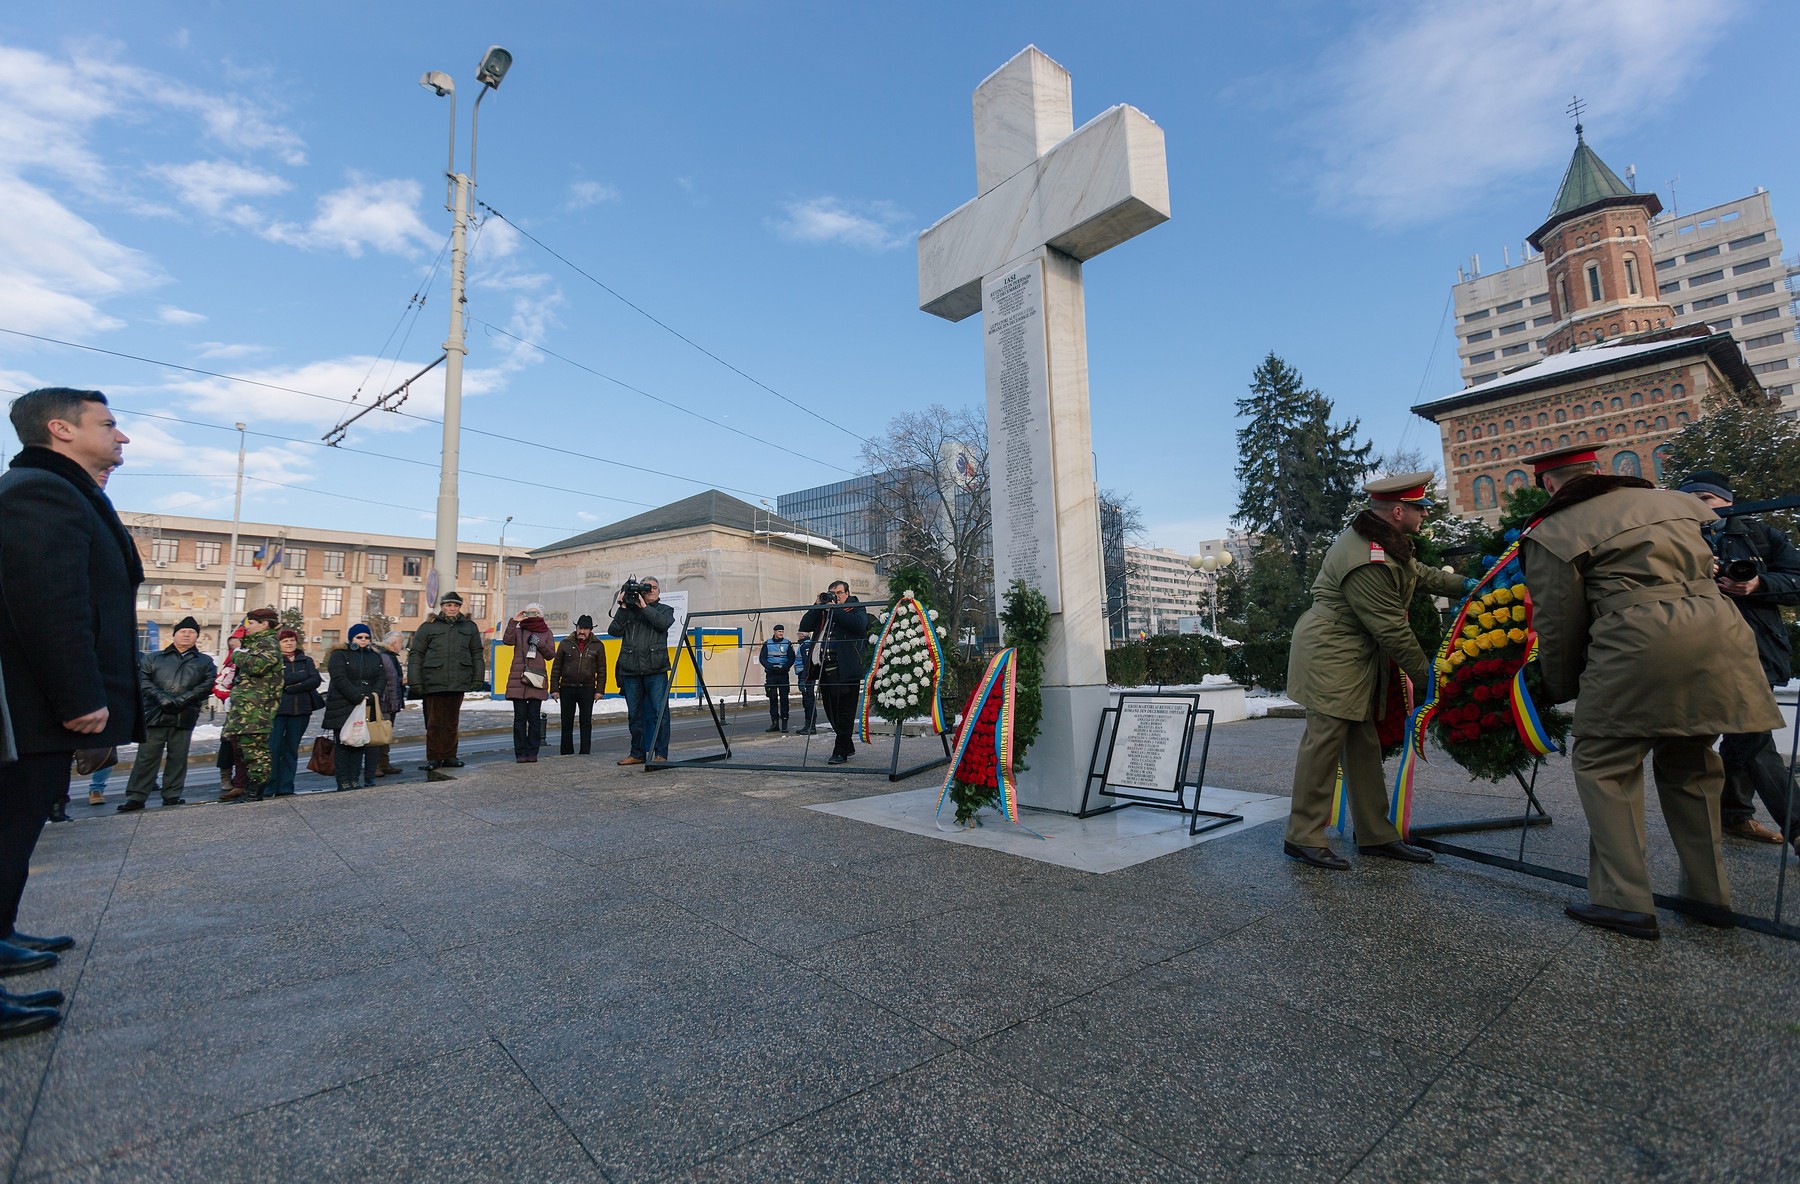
x=256, y=190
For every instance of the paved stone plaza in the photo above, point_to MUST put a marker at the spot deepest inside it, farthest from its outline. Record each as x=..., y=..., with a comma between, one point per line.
x=571, y=971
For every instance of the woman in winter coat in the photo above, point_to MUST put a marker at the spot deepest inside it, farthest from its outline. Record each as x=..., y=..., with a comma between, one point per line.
x=393, y=696
x=528, y=682
x=357, y=675
x=299, y=699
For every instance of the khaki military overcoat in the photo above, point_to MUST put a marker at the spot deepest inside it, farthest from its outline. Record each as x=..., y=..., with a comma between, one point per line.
x=1631, y=625
x=1357, y=622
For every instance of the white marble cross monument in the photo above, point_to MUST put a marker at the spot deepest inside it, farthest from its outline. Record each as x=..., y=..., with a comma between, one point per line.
x=1049, y=198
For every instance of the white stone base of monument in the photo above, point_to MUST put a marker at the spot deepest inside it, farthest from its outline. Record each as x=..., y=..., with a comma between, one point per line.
x=1224, y=700
x=1059, y=757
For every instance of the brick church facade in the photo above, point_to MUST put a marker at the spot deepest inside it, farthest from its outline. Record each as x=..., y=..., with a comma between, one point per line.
x=1619, y=374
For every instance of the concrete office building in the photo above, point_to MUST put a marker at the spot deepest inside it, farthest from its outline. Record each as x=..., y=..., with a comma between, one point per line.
x=1160, y=588
x=334, y=578
x=1721, y=267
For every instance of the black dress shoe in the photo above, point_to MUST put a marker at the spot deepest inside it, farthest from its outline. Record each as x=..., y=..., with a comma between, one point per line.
x=1404, y=852
x=58, y=812
x=773, y=728
x=128, y=806
x=50, y=998
x=837, y=759
x=452, y=763
x=1323, y=857
x=21, y=960
x=1639, y=925
x=48, y=945
x=174, y=801
x=428, y=766
x=22, y=1021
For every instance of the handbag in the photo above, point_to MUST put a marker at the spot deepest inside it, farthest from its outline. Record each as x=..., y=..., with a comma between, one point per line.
x=534, y=680
x=324, y=757
x=381, y=728
x=89, y=761
x=355, y=733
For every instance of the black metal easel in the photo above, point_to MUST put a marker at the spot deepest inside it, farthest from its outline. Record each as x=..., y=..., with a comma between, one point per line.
x=1128, y=797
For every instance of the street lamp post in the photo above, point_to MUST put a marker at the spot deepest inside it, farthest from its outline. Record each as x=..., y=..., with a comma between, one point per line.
x=237, y=517
x=1209, y=568
x=500, y=576
x=494, y=65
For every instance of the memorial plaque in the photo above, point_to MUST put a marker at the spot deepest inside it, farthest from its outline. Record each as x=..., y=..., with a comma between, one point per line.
x=1020, y=458
x=1147, y=747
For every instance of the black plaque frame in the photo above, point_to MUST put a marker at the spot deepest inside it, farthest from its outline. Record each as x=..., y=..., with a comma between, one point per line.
x=1129, y=797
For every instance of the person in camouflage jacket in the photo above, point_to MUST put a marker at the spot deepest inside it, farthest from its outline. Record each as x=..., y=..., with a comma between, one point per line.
x=255, y=694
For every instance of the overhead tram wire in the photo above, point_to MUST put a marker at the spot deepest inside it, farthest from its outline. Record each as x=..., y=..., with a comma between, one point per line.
x=493, y=328
x=534, y=444
x=578, y=270
x=415, y=305
x=1426, y=377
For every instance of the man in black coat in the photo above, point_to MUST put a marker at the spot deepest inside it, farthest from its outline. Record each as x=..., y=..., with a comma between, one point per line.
x=1758, y=570
x=68, y=564
x=177, y=681
x=839, y=628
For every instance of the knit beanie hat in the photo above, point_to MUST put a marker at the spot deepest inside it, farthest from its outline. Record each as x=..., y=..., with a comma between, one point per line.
x=287, y=633
x=1709, y=481
x=186, y=623
x=360, y=630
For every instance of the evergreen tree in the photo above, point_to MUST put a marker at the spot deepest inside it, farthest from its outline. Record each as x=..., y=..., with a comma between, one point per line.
x=1298, y=475
x=1747, y=441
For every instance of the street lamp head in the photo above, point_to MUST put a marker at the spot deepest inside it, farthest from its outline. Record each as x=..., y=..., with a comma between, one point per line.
x=494, y=65
x=437, y=80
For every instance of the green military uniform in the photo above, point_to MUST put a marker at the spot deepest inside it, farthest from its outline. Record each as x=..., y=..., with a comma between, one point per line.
x=1337, y=667
x=255, y=694
x=1627, y=614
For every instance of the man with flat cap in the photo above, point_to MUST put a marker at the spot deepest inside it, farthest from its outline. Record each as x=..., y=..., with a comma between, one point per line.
x=1338, y=666
x=1632, y=626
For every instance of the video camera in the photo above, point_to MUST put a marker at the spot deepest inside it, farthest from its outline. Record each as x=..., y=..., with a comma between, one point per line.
x=1740, y=570
x=631, y=593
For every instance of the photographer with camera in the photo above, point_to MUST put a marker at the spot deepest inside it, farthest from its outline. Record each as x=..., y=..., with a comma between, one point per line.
x=1758, y=570
x=839, y=624
x=643, y=622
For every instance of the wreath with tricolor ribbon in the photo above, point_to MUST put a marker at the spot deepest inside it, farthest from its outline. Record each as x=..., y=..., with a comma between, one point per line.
x=906, y=674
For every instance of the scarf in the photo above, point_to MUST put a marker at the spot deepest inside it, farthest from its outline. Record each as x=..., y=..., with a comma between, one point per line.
x=1582, y=489
x=50, y=461
x=1378, y=530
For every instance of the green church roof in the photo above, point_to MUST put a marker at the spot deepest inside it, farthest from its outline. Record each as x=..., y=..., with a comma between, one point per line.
x=1587, y=181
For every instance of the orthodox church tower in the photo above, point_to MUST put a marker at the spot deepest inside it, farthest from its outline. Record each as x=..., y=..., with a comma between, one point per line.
x=1596, y=245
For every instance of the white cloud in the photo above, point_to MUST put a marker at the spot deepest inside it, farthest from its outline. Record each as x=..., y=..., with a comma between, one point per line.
x=337, y=379
x=382, y=215
x=214, y=187
x=168, y=314
x=583, y=194
x=55, y=265
x=870, y=226
x=158, y=446
x=1426, y=109
x=230, y=349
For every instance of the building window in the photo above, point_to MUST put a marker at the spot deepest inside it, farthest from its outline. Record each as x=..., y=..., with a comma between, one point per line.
x=515, y=569
x=1631, y=275
x=1758, y=290
x=1710, y=277
x=1708, y=253
x=1753, y=318
x=1753, y=265
x=293, y=596
x=478, y=603
x=1513, y=351
x=149, y=596
x=246, y=555
x=1561, y=307
x=1542, y=321
x=1720, y=325
x=1477, y=359
x=1477, y=316
x=478, y=571
x=1511, y=306
x=1625, y=464
x=1540, y=298
x=377, y=565
x=1711, y=301
x=1671, y=286
x=409, y=603
x=412, y=565
x=1769, y=367
x=328, y=638
x=375, y=603
x=207, y=553
x=331, y=601
x=1481, y=336
x=1749, y=240
x=1764, y=342
x=334, y=563
x=165, y=550
x=239, y=602
x=1593, y=283
x=1484, y=493
x=294, y=560
x=1515, y=327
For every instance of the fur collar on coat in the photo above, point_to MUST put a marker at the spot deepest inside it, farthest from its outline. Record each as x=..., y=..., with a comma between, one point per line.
x=1378, y=530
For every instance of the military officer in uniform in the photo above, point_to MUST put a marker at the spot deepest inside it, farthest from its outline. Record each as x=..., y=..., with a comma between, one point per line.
x=1338, y=664
x=1631, y=626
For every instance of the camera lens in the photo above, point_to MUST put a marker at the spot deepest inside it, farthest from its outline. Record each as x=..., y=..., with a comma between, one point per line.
x=1741, y=570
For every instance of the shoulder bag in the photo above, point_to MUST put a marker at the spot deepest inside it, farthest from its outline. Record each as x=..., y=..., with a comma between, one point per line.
x=324, y=757
x=381, y=728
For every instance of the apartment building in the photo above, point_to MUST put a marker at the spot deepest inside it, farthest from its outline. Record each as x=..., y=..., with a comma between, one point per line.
x=1160, y=588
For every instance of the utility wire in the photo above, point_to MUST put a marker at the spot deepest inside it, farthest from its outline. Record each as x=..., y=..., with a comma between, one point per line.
x=565, y=261
x=1426, y=376
x=328, y=493
x=493, y=328
x=415, y=304
x=535, y=444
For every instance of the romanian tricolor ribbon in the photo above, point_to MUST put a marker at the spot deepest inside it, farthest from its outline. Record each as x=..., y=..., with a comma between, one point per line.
x=906, y=612
x=1340, y=803
x=1000, y=678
